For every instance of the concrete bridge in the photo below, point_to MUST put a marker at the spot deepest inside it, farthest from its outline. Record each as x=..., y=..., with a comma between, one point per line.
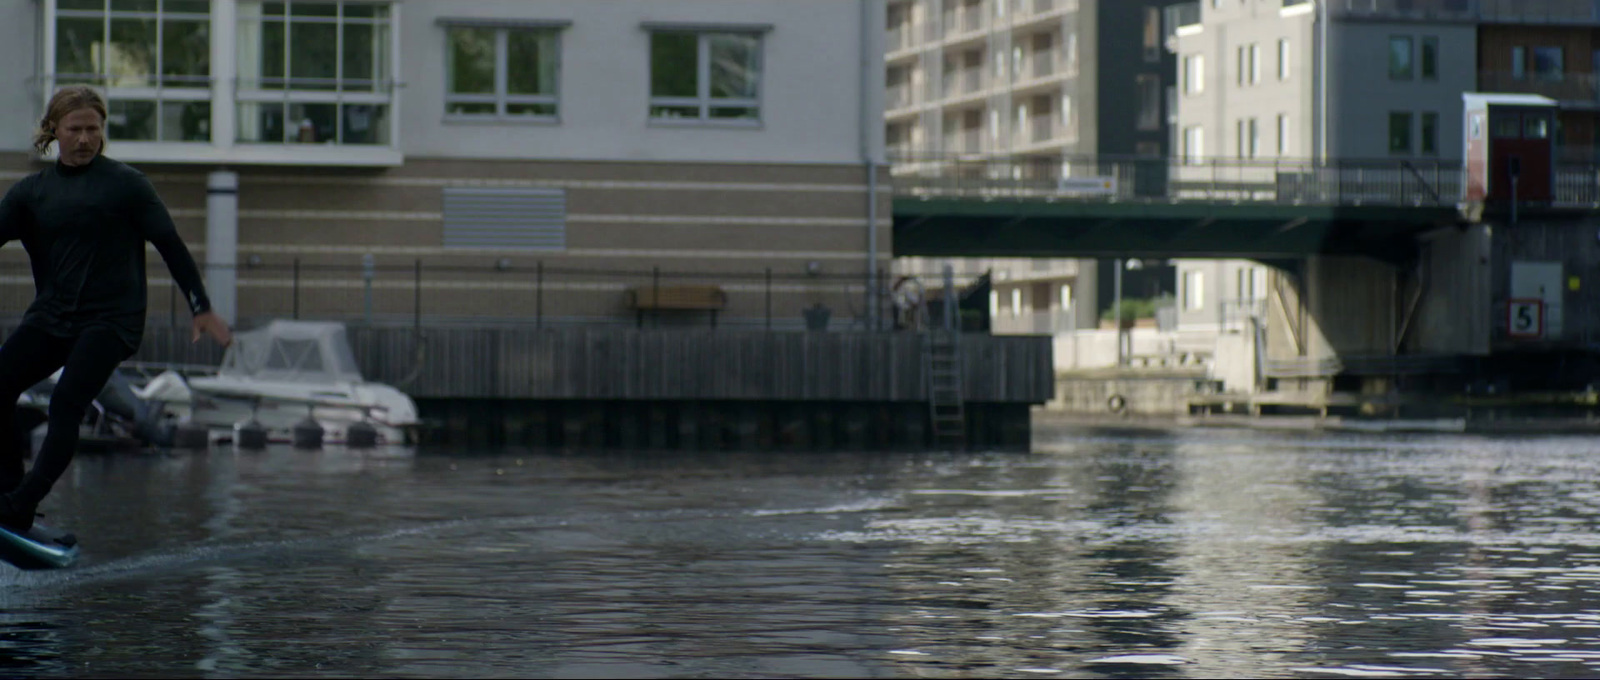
x=1381, y=275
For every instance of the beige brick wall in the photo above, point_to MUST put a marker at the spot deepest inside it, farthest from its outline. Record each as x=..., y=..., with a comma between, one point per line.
x=698, y=223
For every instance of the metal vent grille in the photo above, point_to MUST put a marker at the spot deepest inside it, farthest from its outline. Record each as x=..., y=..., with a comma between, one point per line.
x=531, y=219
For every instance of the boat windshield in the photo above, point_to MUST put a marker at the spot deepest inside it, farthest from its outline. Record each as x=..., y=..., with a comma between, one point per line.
x=301, y=351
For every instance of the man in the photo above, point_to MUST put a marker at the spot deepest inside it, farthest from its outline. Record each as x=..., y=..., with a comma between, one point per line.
x=84, y=222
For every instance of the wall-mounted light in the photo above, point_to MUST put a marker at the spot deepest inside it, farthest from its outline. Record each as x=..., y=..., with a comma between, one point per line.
x=503, y=264
x=253, y=260
x=813, y=267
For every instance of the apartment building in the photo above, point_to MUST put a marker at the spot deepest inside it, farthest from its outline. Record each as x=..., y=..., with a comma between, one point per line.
x=511, y=159
x=1042, y=85
x=1251, y=92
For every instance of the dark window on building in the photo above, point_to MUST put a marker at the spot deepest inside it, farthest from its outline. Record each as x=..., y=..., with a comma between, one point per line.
x=1400, y=54
x=1399, y=132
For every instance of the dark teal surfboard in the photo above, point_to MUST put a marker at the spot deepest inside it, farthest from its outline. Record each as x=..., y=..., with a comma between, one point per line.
x=40, y=548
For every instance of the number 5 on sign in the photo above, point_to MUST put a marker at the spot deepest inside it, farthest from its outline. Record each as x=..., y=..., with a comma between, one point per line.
x=1526, y=317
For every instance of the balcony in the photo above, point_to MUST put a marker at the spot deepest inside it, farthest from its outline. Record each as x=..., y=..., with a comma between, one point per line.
x=963, y=82
x=964, y=141
x=898, y=96
x=1043, y=63
x=1176, y=18
x=1564, y=12
x=968, y=19
x=1568, y=88
x=898, y=37
x=1026, y=12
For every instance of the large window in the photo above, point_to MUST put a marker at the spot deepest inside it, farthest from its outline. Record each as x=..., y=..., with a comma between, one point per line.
x=705, y=76
x=1430, y=57
x=1549, y=63
x=314, y=72
x=151, y=57
x=1149, y=87
x=508, y=73
x=1194, y=74
x=1399, y=132
x=1194, y=291
x=1194, y=149
x=1430, y=132
x=1400, y=53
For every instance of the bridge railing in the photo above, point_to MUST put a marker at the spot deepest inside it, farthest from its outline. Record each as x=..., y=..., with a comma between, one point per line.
x=1384, y=182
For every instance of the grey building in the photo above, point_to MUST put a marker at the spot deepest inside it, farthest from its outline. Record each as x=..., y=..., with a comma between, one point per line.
x=1252, y=72
x=1044, y=86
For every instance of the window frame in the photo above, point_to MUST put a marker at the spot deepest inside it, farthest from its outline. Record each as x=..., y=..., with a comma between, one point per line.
x=703, y=101
x=1194, y=74
x=1194, y=144
x=1428, y=58
x=1148, y=86
x=1405, y=132
x=1194, y=290
x=1409, y=72
x=1428, y=133
x=156, y=91
x=1284, y=57
x=1560, y=69
x=286, y=95
x=501, y=97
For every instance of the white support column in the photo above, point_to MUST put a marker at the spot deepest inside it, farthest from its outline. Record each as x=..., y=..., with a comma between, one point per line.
x=47, y=68
x=222, y=243
x=395, y=69
x=224, y=72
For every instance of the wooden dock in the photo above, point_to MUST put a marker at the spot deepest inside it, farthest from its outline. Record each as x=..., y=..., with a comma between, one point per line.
x=621, y=387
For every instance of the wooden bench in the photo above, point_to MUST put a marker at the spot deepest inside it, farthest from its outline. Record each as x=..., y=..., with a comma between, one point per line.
x=687, y=298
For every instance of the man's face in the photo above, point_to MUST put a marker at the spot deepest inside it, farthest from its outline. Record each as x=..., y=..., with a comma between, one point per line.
x=80, y=135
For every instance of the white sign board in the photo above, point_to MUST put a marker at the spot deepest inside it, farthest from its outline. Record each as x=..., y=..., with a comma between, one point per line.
x=1525, y=317
x=1104, y=186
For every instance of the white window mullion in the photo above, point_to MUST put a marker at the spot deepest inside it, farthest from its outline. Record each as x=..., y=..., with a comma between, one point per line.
x=103, y=66
x=48, y=84
x=160, y=30
x=288, y=40
x=338, y=74
x=501, y=77
x=703, y=74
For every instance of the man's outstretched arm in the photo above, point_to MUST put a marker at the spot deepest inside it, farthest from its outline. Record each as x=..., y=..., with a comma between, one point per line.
x=156, y=226
x=15, y=217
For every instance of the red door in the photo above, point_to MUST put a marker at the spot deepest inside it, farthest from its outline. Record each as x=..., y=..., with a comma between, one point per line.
x=1522, y=145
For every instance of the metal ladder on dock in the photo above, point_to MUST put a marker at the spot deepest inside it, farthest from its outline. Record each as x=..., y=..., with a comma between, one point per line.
x=941, y=359
x=941, y=362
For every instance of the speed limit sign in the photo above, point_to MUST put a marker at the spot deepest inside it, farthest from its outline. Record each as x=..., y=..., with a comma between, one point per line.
x=1525, y=317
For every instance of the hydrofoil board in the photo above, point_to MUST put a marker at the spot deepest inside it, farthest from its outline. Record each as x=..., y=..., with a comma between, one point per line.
x=39, y=548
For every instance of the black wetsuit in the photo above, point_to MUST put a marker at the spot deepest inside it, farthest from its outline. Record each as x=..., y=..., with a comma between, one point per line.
x=84, y=228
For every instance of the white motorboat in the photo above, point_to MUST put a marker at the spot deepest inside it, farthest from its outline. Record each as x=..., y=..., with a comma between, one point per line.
x=279, y=375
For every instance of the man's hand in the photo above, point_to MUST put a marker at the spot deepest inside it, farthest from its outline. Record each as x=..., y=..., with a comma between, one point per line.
x=208, y=323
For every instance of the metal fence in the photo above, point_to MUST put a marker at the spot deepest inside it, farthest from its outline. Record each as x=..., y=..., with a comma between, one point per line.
x=428, y=293
x=1386, y=182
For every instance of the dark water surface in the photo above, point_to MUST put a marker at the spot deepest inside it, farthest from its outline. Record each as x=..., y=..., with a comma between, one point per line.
x=1181, y=554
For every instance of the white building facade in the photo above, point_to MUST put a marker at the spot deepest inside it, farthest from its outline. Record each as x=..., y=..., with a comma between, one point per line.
x=599, y=144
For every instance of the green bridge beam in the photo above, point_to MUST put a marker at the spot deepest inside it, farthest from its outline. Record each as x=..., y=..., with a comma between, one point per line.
x=976, y=227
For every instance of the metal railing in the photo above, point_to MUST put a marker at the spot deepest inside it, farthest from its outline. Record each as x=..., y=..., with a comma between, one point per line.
x=899, y=37
x=1174, y=17
x=429, y=292
x=966, y=172
x=1567, y=87
x=1044, y=63
x=963, y=82
x=1580, y=12
x=898, y=96
x=969, y=140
